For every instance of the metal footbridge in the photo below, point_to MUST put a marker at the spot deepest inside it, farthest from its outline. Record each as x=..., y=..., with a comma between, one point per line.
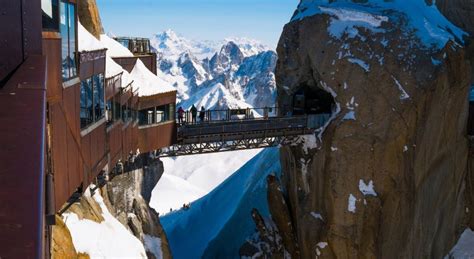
x=229, y=130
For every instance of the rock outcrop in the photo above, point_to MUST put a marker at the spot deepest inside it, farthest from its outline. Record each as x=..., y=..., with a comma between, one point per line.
x=128, y=196
x=62, y=246
x=386, y=177
x=88, y=13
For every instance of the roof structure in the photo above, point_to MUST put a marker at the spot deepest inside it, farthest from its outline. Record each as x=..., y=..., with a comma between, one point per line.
x=148, y=83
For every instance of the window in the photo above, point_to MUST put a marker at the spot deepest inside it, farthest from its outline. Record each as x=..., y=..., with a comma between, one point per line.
x=92, y=100
x=50, y=14
x=86, y=103
x=67, y=28
x=124, y=42
x=99, y=104
x=157, y=115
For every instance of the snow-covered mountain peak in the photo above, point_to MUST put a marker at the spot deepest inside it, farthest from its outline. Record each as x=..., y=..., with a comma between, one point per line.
x=249, y=47
x=171, y=44
x=235, y=72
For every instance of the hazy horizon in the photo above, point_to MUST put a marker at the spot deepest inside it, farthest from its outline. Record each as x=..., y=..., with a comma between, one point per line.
x=262, y=20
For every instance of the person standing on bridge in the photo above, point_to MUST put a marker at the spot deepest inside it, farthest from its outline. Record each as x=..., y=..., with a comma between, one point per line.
x=193, y=113
x=202, y=114
x=180, y=115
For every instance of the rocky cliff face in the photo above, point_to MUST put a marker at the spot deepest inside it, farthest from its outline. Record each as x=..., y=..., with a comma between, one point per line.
x=386, y=177
x=88, y=13
x=126, y=197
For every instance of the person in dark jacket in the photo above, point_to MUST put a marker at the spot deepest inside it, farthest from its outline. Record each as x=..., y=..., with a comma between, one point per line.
x=180, y=115
x=193, y=113
x=202, y=114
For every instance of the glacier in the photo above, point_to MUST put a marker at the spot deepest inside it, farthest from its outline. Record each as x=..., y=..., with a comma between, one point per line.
x=218, y=224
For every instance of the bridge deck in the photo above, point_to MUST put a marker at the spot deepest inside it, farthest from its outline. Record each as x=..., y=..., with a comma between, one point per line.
x=228, y=135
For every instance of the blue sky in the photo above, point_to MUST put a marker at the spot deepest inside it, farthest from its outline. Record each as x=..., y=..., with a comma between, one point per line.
x=198, y=19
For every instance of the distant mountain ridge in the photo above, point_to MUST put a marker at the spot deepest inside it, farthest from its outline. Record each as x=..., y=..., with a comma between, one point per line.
x=235, y=72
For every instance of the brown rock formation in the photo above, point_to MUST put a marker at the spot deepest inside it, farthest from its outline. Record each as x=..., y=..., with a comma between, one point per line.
x=89, y=17
x=128, y=195
x=408, y=138
x=281, y=216
x=62, y=246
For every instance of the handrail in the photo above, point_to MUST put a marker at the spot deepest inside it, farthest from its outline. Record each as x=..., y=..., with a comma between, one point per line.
x=234, y=114
x=23, y=130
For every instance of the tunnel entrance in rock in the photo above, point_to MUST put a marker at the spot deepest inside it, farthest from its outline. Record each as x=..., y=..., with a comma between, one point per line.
x=311, y=100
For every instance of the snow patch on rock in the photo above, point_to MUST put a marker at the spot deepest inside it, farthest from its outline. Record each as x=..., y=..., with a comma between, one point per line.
x=351, y=203
x=108, y=239
x=367, y=189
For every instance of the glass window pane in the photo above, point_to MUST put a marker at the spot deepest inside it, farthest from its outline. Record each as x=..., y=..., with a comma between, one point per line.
x=72, y=39
x=50, y=14
x=86, y=112
x=63, y=29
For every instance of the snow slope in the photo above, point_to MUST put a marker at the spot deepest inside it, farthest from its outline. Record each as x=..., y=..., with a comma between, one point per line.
x=217, y=225
x=464, y=249
x=108, y=239
x=188, y=178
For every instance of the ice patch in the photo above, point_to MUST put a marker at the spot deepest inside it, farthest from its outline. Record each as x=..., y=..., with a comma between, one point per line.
x=435, y=62
x=351, y=204
x=361, y=63
x=349, y=15
x=404, y=95
x=317, y=216
x=350, y=116
x=367, y=189
x=304, y=171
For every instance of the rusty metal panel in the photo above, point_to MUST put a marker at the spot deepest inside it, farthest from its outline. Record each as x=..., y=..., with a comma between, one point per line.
x=32, y=27
x=100, y=142
x=125, y=96
x=52, y=49
x=69, y=104
x=23, y=130
x=153, y=138
x=99, y=66
x=157, y=100
x=86, y=150
x=73, y=170
x=59, y=154
x=115, y=142
x=127, y=63
x=109, y=88
x=86, y=70
x=12, y=39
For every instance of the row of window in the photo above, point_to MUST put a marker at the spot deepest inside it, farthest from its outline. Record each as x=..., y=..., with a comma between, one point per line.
x=92, y=100
x=116, y=111
x=156, y=115
x=135, y=45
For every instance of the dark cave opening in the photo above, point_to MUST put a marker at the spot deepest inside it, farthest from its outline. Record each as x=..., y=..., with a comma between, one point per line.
x=308, y=100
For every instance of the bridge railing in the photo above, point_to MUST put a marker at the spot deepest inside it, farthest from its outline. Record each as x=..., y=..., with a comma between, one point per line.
x=238, y=114
x=313, y=121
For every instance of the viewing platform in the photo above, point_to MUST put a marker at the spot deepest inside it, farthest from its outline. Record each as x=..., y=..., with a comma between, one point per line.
x=237, y=129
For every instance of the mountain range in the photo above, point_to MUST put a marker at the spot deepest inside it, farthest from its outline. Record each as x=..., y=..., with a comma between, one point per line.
x=233, y=73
